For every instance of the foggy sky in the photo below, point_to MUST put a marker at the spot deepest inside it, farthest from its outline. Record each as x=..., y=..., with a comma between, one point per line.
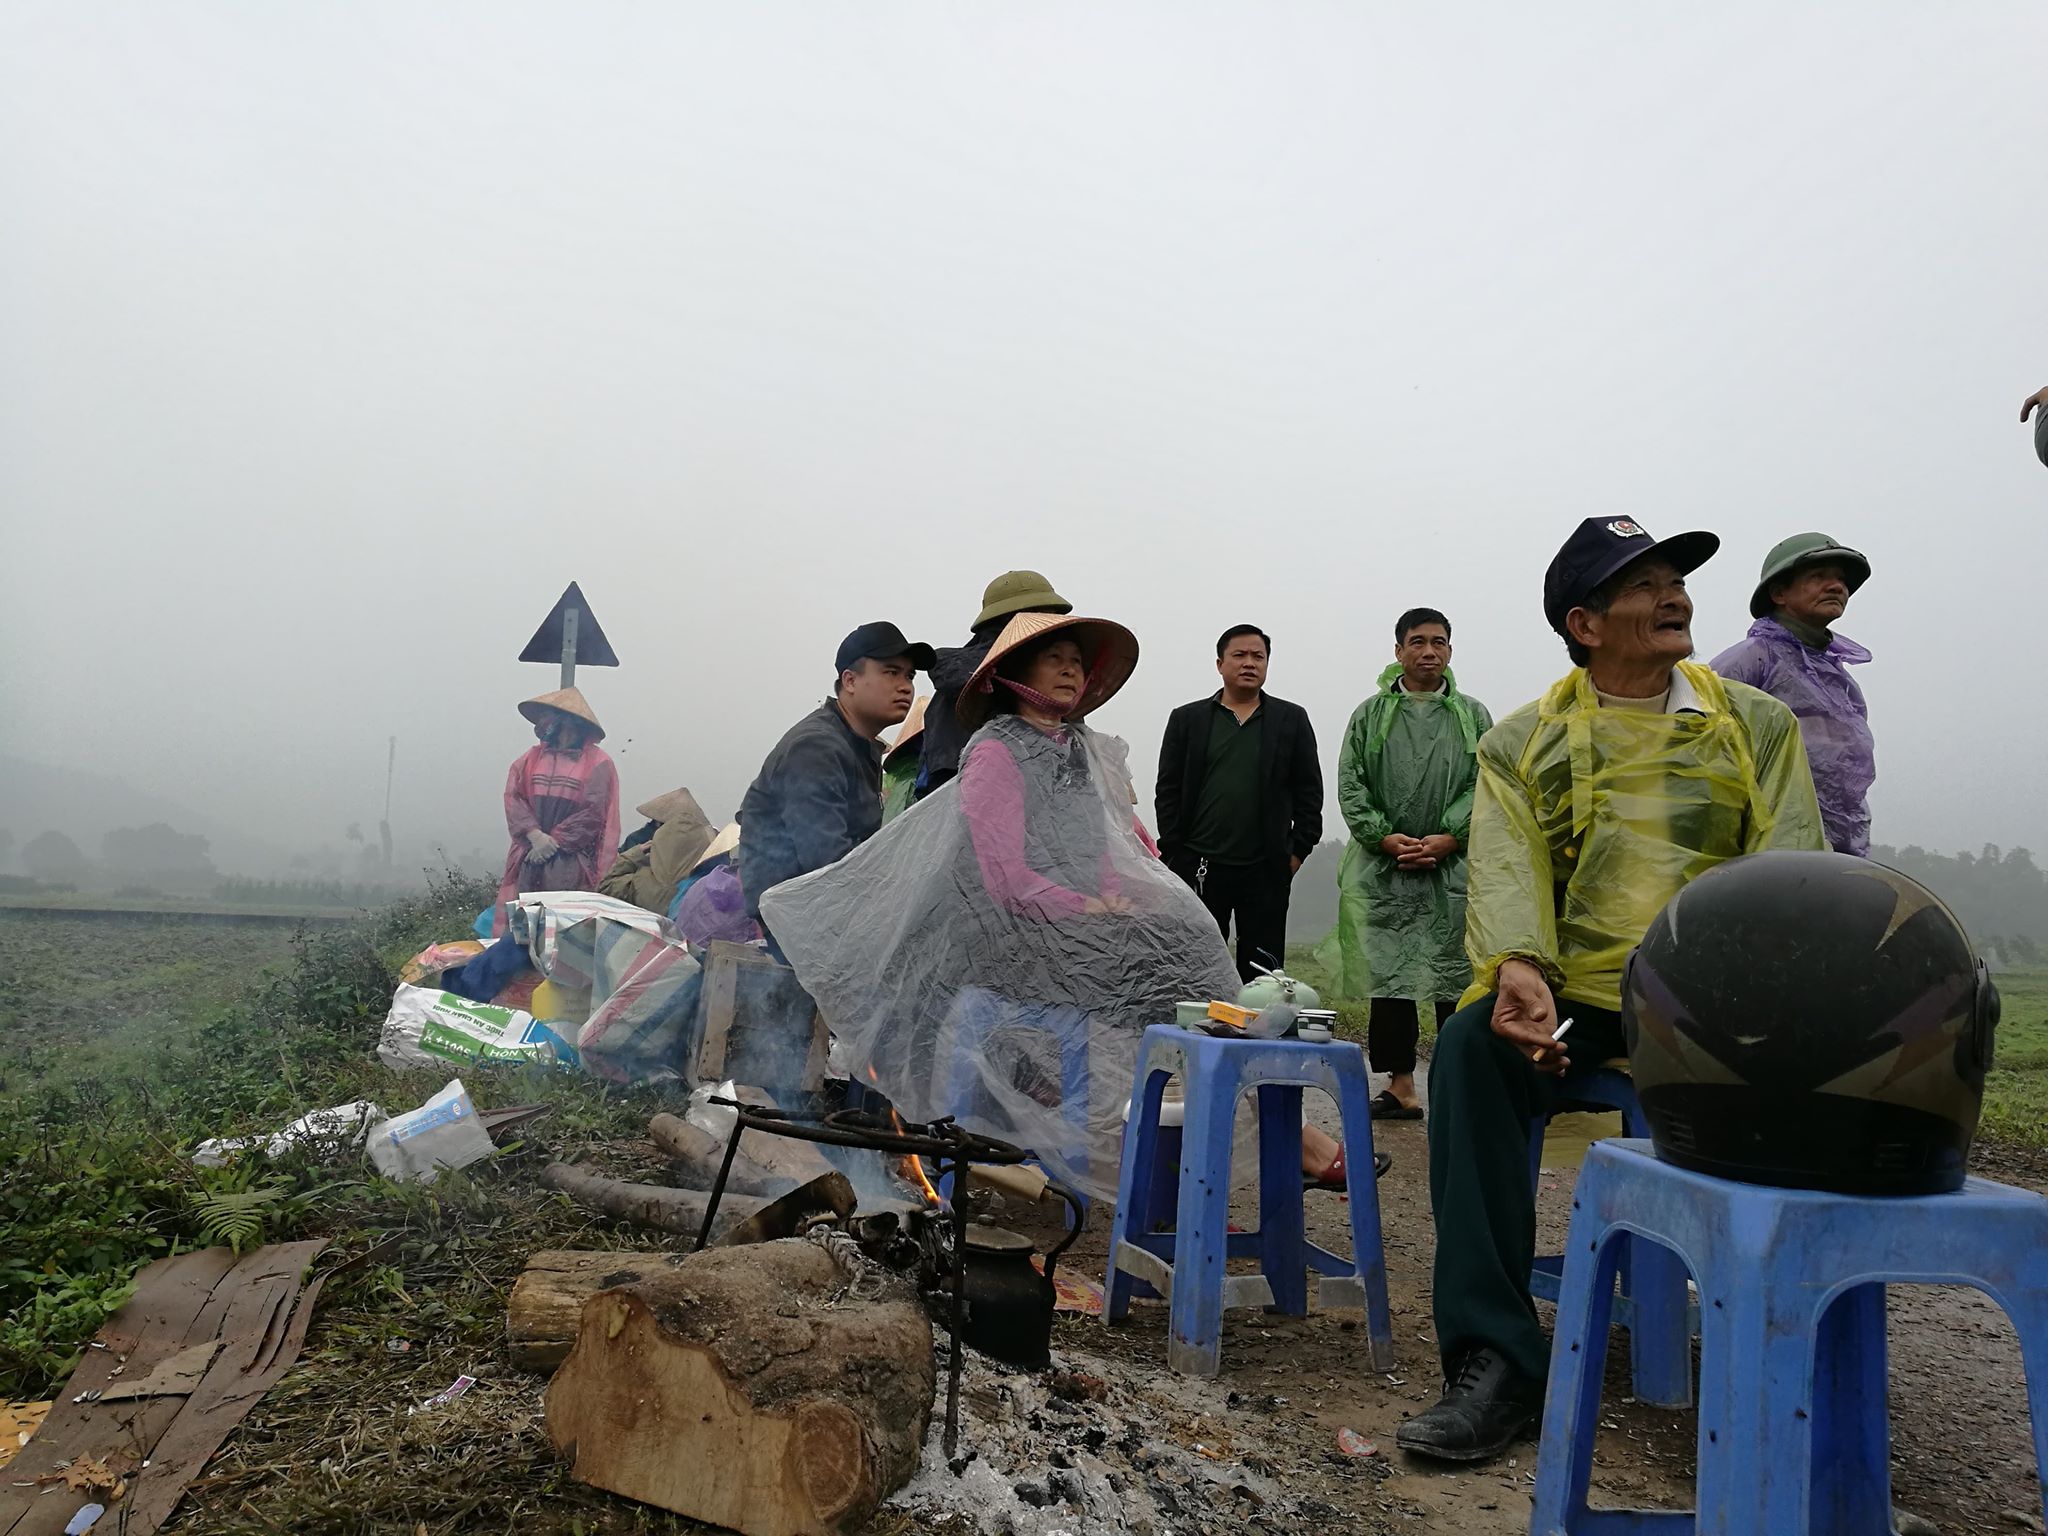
x=335, y=339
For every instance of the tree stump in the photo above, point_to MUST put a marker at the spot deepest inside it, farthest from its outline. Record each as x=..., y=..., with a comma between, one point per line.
x=748, y=1387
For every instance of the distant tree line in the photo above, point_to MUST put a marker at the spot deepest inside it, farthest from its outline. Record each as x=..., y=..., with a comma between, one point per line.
x=2001, y=896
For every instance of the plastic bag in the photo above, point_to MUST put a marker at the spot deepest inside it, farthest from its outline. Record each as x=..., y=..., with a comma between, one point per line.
x=341, y=1128
x=442, y=1133
x=427, y=1028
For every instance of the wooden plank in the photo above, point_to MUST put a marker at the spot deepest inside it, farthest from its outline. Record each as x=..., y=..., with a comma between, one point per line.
x=722, y=960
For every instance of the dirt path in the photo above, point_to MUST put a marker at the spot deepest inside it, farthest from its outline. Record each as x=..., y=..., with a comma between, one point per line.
x=1962, y=1453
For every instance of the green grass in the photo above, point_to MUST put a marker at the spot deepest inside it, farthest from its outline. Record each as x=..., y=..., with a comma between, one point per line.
x=2016, y=1093
x=1351, y=1017
x=118, y=1053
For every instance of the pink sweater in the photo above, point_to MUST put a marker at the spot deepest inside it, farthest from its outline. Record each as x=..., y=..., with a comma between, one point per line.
x=992, y=797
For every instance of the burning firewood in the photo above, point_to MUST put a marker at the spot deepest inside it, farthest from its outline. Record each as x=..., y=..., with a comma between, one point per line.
x=764, y=1388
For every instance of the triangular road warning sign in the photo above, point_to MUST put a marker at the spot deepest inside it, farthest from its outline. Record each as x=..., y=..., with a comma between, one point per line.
x=592, y=649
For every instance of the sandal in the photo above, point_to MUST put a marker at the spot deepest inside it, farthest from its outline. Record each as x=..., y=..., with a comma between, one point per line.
x=1386, y=1107
x=1335, y=1178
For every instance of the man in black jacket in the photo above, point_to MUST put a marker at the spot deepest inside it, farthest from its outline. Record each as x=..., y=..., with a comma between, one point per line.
x=819, y=794
x=1240, y=798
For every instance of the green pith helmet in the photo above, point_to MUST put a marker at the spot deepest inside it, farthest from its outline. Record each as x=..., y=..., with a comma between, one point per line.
x=1788, y=555
x=1020, y=592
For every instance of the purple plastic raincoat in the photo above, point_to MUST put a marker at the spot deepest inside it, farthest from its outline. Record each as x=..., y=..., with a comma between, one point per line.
x=1833, y=720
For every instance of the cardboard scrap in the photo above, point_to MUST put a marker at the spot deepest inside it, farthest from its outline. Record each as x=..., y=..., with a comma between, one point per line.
x=248, y=1315
x=18, y=1421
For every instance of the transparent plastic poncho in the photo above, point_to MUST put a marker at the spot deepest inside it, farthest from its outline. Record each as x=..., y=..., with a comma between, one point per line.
x=996, y=952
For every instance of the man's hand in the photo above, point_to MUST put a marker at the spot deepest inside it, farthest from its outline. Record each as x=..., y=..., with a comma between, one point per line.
x=1293, y=864
x=1400, y=847
x=1525, y=1014
x=2038, y=398
x=1439, y=846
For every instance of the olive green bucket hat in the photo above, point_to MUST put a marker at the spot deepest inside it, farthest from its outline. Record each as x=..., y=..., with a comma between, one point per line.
x=1020, y=592
x=1805, y=549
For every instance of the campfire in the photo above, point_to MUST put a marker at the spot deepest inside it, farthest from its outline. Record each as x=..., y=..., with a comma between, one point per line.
x=977, y=1278
x=806, y=1366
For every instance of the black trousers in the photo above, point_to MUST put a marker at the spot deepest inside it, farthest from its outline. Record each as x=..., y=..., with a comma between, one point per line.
x=1483, y=1093
x=1392, y=1030
x=1254, y=895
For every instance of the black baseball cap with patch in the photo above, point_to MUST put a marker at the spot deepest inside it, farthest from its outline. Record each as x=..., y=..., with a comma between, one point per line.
x=1599, y=547
x=879, y=642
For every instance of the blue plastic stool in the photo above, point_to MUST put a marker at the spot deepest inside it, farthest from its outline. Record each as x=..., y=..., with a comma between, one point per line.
x=1187, y=1264
x=1655, y=1306
x=1793, y=1435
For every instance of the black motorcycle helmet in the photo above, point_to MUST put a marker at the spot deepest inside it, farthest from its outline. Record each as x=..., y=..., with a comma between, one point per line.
x=1812, y=1020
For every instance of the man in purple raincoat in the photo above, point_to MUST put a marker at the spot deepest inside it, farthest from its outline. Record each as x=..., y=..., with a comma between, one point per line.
x=1793, y=654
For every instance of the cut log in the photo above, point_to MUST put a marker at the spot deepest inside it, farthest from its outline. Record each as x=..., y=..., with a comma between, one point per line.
x=698, y=1155
x=748, y=1388
x=648, y=1205
x=546, y=1304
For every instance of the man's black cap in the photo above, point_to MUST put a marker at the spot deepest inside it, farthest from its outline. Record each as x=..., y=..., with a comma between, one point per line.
x=1599, y=547
x=879, y=642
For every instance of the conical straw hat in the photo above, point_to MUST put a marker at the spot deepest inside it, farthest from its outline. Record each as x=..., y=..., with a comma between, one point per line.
x=568, y=701
x=913, y=727
x=1110, y=649
x=676, y=805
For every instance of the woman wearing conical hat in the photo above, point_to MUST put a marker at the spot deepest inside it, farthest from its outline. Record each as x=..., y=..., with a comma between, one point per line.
x=561, y=802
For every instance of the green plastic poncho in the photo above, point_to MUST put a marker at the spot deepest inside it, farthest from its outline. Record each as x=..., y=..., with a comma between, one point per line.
x=1408, y=766
x=899, y=786
x=1588, y=820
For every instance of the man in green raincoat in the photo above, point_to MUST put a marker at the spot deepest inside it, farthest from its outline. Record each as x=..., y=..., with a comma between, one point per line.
x=1636, y=772
x=1404, y=783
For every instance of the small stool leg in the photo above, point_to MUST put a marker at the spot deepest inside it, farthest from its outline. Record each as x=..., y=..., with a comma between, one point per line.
x=1852, y=1434
x=1353, y=1092
x=1283, y=1248
x=1135, y=1183
x=2029, y=1313
x=1660, y=1330
x=1194, y=1345
x=1578, y=1358
x=1756, y=1380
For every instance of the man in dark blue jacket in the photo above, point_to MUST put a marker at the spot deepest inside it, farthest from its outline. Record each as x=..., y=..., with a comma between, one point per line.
x=819, y=794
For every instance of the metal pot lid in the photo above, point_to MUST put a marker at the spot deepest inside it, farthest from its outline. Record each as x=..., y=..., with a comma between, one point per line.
x=983, y=1238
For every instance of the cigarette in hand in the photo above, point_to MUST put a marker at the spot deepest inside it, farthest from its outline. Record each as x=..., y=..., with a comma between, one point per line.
x=1556, y=1036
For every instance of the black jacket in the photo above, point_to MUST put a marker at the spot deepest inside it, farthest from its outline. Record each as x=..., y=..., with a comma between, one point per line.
x=944, y=738
x=817, y=798
x=1290, y=778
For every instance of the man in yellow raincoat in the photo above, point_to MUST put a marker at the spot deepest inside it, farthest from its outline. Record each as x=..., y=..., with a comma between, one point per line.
x=1637, y=772
x=1404, y=783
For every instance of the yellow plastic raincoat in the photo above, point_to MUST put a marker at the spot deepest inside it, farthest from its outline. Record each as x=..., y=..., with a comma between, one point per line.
x=1408, y=766
x=1588, y=820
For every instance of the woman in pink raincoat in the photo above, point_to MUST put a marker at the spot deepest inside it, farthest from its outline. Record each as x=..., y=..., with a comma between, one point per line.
x=561, y=803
